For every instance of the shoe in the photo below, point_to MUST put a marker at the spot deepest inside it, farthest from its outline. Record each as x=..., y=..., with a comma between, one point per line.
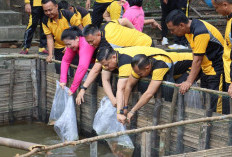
x=43, y=51
x=24, y=51
x=182, y=47
x=164, y=41
x=174, y=46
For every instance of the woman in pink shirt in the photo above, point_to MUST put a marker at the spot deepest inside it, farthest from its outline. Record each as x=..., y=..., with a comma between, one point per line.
x=135, y=14
x=75, y=44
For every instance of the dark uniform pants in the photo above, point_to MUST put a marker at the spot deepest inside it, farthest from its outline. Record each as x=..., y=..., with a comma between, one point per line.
x=166, y=9
x=36, y=16
x=212, y=82
x=98, y=10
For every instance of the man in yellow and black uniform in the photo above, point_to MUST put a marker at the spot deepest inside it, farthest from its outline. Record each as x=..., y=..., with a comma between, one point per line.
x=207, y=46
x=115, y=35
x=224, y=7
x=114, y=11
x=82, y=13
x=35, y=10
x=53, y=25
x=163, y=66
x=99, y=8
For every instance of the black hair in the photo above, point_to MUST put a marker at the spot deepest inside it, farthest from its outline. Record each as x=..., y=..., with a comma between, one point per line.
x=141, y=61
x=105, y=52
x=71, y=33
x=176, y=17
x=138, y=3
x=63, y=5
x=220, y=1
x=46, y=1
x=90, y=29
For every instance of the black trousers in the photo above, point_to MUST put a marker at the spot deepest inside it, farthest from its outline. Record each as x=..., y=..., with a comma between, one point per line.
x=212, y=82
x=166, y=9
x=226, y=100
x=98, y=10
x=59, y=55
x=35, y=18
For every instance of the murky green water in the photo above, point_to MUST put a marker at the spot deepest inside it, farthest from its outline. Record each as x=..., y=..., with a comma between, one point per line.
x=42, y=134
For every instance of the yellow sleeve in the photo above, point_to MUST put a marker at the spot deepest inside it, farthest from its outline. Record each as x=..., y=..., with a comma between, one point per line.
x=75, y=20
x=26, y=1
x=46, y=30
x=158, y=74
x=124, y=71
x=108, y=9
x=135, y=75
x=200, y=44
x=86, y=20
x=116, y=21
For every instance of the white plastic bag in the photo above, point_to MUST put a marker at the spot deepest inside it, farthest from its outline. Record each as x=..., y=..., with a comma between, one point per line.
x=105, y=122
x=63, y=115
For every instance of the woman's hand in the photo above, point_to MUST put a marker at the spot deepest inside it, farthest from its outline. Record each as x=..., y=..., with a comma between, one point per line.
x=62, y=85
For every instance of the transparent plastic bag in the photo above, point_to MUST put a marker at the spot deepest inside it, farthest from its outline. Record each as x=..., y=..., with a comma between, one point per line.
x=63, y=115
x=193, y=98
x=105, y=122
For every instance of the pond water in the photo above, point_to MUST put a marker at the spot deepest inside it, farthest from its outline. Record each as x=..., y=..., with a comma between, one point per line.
x=43, y=134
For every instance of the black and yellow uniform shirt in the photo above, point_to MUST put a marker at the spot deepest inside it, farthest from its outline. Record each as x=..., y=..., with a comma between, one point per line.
x=205, y=40
x=83, y=14
x=161, y=64
x=104, y=1
x=119, y=36
x=228, y=51
x=34, y=3
x=56, y=28
x=115, y=10
x=125, y=55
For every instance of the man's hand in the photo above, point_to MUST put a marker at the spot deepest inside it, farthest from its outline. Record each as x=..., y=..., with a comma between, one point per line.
x=121, y=118
x=64, y=50
x=87, y=4
x=184, y=87
x=49, y=58
x=28, y=8
x=129, y=116
x=230, y=90
x=62, y=85
x=80, y=97
x=156, y=25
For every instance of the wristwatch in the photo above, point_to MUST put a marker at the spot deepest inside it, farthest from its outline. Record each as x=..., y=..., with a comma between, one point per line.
x=120, y=111
x=82, y=87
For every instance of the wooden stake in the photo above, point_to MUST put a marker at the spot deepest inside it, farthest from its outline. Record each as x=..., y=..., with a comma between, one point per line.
x=146, y=144
x=204, y=138
x=93, y=149
x=11, y=92
x=180, y=129
x=43, y=91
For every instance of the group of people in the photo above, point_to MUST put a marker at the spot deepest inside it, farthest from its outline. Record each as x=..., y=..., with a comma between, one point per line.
x=119, y=46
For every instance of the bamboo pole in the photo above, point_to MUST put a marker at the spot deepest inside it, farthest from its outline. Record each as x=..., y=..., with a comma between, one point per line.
x=156, y=118
x=43, y=91
x=180, y=129
x=11, y=91
x=139, y=130
x=35, y=87
x=170, y=120
x=206, y=127
x=12, y=143
x=93, y=149
x=146, y=144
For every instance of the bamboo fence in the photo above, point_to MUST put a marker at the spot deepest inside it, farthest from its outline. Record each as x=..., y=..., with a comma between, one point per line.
x=33, y=89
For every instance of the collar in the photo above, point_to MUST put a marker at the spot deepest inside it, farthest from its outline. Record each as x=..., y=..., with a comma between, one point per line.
x=191, y=27
x=60, y=15
x=75, y=9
